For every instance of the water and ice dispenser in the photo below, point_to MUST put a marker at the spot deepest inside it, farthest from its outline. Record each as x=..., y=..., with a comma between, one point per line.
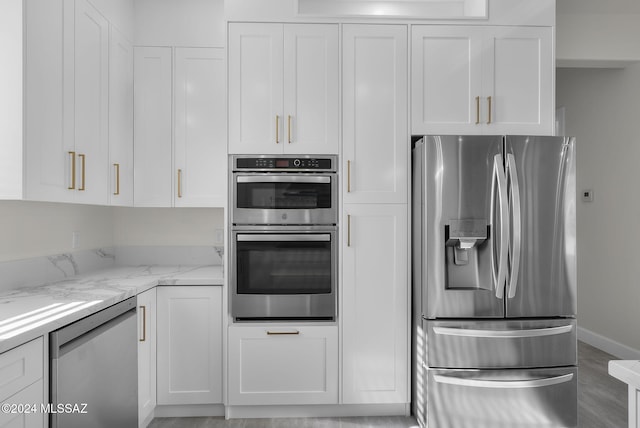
x=467, y=255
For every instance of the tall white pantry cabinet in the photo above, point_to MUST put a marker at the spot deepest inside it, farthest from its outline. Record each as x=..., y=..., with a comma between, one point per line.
x=374, y=222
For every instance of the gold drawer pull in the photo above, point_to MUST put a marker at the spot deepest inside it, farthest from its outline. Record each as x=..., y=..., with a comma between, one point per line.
x=282, y=333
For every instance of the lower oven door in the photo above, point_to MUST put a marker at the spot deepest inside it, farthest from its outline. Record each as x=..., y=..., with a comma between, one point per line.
x=283, y=274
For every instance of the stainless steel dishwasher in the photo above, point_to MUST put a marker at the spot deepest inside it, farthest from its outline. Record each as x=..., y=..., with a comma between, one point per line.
x=94, y=370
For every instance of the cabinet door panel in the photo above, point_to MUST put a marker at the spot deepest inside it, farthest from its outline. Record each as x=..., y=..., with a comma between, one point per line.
x=91, y=103
x=283, y=365
x=311, y=89
x=200, y=127
x=519, y=75
x=146, y=355
x=375, y=296
x=152, y=131
x=446, y=79
x=255, y=88
x=120, y=119
x=48, y=96
x=189, y=345
x=375, y=139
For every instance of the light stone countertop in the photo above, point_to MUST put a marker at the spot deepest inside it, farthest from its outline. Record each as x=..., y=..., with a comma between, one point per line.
x=627, y=371
x=27, y=313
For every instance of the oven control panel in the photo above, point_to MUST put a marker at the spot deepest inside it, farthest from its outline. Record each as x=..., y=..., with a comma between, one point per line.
x=284, y=163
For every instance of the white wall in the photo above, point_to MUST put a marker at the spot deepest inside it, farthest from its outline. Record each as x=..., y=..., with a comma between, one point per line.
x=167, y=226
x=32, y=229
x=182, y=23
x=603, y=112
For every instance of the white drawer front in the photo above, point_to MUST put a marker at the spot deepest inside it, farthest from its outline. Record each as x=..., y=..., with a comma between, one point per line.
x=20, y=367
x=18, y=416
x=283, y=365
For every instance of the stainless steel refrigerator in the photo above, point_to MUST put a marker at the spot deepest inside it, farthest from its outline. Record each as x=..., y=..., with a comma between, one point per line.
x=494, y=282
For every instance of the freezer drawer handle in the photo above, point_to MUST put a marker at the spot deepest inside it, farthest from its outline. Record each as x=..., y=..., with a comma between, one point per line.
x=510, y=334
x=508, y=384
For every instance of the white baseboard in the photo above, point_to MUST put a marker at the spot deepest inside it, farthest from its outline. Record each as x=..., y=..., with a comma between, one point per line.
x=610, y=346
x=185, y=410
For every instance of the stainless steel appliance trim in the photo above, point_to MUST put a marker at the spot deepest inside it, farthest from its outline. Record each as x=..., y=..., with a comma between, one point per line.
x=501, y=180
x=510, y=384
x=535, y=332
x=282, y=178
x=516, y=219
x=283, y=237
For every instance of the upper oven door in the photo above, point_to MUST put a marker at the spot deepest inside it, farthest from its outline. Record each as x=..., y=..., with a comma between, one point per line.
x=267, y=198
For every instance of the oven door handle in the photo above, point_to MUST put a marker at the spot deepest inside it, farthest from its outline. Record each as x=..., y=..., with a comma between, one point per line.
x=281, y=179
x=325, y=237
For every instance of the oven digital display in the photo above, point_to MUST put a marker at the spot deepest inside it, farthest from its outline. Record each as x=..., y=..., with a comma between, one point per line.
x=282, y=163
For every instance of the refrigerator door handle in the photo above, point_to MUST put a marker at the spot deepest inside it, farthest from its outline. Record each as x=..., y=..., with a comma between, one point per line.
x=516, y=219
x=510, y=334
x=500, y=178
x=511, y=384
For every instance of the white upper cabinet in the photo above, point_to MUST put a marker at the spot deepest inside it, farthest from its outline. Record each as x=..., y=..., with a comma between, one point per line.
x=283, y=88
x=120, y=119
x=91, y=105
x=482, y=80
x=375, y=137
x=200, y=116
x=152, y=130
x=180, y=127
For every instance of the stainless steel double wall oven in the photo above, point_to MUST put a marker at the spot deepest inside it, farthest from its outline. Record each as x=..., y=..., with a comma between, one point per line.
x=284, y=219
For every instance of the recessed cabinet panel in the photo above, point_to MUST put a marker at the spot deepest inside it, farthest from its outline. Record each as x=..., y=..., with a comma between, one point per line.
x=152, y=131
x=91, y=103
x=286, y=364
x=255, y=88
x=375, y=296
x=189, y=356
x=200, y=127
x=375, y=139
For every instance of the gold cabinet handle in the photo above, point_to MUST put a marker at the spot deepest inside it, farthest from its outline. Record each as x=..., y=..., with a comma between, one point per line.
x=489, y=102
x=289, y=128
x=348, y=230
x=281, y=333
x=82, y=176
x=73, y=171
x=179, y=183
x=117, y=172
x=477, y=110
x=348, y=176
x=144, y=323
x=277, y=129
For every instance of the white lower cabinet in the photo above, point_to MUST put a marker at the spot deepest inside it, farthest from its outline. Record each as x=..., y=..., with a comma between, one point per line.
x=21, y=383
x=271, y=365
x=189, y=345
x=375, y=304
x=146, y=356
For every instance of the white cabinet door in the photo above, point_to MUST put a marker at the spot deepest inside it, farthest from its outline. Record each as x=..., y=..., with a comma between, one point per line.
x=91, y=103
x=255, y=88
x=32, y=395
x=146, y=356
x=446, y=85
x=482, y=80
x=375, y=304
x=375, y=134
x=311, y=89
x=48, y=98
x=200, y=147
x=519, y=70
x=189, y=341
x=283, y=365
x=152, y=131
x=120, y=119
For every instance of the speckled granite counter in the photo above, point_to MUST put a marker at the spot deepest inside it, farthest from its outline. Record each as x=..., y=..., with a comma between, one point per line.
x=27, y=313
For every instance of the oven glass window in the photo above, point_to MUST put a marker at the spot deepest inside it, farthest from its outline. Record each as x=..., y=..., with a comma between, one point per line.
x=283, y=267
x=283, y=195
